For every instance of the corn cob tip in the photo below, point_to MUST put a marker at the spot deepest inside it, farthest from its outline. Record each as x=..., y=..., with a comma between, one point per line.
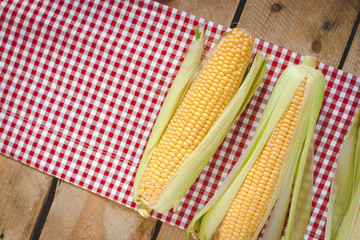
x=176, y=204
x=198, y=32
x=144, y=210
x=310, y=61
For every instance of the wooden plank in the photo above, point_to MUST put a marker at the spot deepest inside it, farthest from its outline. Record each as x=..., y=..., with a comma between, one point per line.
x=80, y=214
x=318, y=28
x=352, y=62
x=220, y=12
x=168, y=231
x=23, y=192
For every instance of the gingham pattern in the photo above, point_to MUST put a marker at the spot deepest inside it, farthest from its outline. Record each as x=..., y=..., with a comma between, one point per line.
x=82, y=83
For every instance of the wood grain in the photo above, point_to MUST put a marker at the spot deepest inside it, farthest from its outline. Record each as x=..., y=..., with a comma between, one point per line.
x=319, y=28
x=168, y=231
x=220, y=12
x=352, y=62
x=23, y=191
x=80, y=214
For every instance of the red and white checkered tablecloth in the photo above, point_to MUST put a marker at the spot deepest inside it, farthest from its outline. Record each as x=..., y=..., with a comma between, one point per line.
x=82, y=84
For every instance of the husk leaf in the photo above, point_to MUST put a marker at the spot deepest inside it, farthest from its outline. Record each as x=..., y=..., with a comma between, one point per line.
x=180, y=85
x=300, y=209
x=344, y=203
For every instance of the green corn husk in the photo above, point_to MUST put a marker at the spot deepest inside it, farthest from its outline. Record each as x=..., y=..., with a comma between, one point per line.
x=343, y=220
x=180, y=85
x=186, y=175
x=297, y=171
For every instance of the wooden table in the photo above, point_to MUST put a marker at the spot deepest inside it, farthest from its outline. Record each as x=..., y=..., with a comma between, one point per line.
x=34, y=205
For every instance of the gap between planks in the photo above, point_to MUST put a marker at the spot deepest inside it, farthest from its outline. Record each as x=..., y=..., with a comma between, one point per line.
x=41, y=219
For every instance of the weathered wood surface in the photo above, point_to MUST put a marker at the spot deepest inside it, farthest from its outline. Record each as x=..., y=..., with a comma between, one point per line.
x=79, y=214
x=318, y=28
x=168, y=231
x=220, y=12
x=23, y=191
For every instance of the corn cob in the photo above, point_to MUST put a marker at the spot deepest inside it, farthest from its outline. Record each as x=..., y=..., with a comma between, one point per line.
x=277, y=159
x=185, y=146
x=251, y=201
x=344, y=205
x=201, y=106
